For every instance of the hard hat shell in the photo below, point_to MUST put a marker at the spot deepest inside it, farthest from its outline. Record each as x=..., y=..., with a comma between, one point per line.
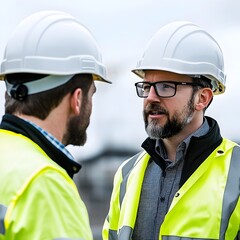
x=53, y=43
x=184, y=48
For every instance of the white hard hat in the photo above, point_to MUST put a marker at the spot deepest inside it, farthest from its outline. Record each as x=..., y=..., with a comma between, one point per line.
x=53, y=43
x=184, y=48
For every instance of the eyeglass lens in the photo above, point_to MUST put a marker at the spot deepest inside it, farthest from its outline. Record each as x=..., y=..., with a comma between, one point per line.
x=163, y=89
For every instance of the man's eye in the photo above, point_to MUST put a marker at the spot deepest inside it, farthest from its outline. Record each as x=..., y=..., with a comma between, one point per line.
x=167, y=86
x=146, y=88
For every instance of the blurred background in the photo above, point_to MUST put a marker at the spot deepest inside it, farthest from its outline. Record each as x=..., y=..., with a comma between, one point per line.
x=122, y=29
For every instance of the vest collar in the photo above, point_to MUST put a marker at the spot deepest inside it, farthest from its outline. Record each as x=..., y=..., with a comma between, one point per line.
x=17, y=125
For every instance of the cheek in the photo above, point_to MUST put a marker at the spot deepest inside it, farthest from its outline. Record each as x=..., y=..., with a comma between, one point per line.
x=175, y=108
x=89, y=106
x=145, y=102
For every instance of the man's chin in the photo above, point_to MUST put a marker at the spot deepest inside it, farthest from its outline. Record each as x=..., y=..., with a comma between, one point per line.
x=153, y=132
x=77, y=140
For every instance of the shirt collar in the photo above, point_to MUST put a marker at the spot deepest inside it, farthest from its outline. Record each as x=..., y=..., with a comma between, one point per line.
x=52, y=140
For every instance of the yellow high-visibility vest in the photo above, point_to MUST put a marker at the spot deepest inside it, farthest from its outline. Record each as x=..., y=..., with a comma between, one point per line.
x=38, y=200
x=207, y=206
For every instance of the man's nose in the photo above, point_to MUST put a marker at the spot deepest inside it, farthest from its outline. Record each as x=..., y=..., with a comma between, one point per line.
x=152, y=95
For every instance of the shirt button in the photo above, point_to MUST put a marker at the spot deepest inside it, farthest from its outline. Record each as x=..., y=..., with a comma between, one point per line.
x=74, y=169
x=177, y=194
x=162, y=199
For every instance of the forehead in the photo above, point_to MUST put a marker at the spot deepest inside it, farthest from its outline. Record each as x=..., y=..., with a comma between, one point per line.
x=158, y=75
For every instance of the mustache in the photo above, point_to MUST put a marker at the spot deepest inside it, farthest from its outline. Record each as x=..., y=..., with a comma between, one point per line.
x=151, y=107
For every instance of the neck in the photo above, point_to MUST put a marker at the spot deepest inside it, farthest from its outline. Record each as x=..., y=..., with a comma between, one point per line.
x=49, y=126
x=171, y=148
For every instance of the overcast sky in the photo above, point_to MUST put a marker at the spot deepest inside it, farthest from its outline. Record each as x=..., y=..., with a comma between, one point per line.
x=122, y=29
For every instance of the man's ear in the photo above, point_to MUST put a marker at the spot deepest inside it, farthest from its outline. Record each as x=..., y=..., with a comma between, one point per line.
x=205, y=96
x=76, y=101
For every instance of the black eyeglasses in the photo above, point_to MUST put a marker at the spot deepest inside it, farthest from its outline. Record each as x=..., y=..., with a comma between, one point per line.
x=164, y=89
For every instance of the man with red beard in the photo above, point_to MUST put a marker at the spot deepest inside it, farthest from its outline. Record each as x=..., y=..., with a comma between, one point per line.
x=185, y=184
x=49, y=67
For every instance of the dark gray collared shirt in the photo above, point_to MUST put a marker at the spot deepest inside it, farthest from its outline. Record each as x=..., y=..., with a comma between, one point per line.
x=159, y=189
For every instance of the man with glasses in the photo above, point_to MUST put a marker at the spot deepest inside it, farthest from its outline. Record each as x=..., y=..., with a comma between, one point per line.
x=185, y=183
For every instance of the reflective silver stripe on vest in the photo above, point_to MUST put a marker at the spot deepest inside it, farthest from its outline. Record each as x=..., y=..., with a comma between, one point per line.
x=126, y=170
x=3, y=210
x=112, y=235
x=125, y=233
x=232, y=191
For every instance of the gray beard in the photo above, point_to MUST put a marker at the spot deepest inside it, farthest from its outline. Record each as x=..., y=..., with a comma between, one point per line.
x=170, y=129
